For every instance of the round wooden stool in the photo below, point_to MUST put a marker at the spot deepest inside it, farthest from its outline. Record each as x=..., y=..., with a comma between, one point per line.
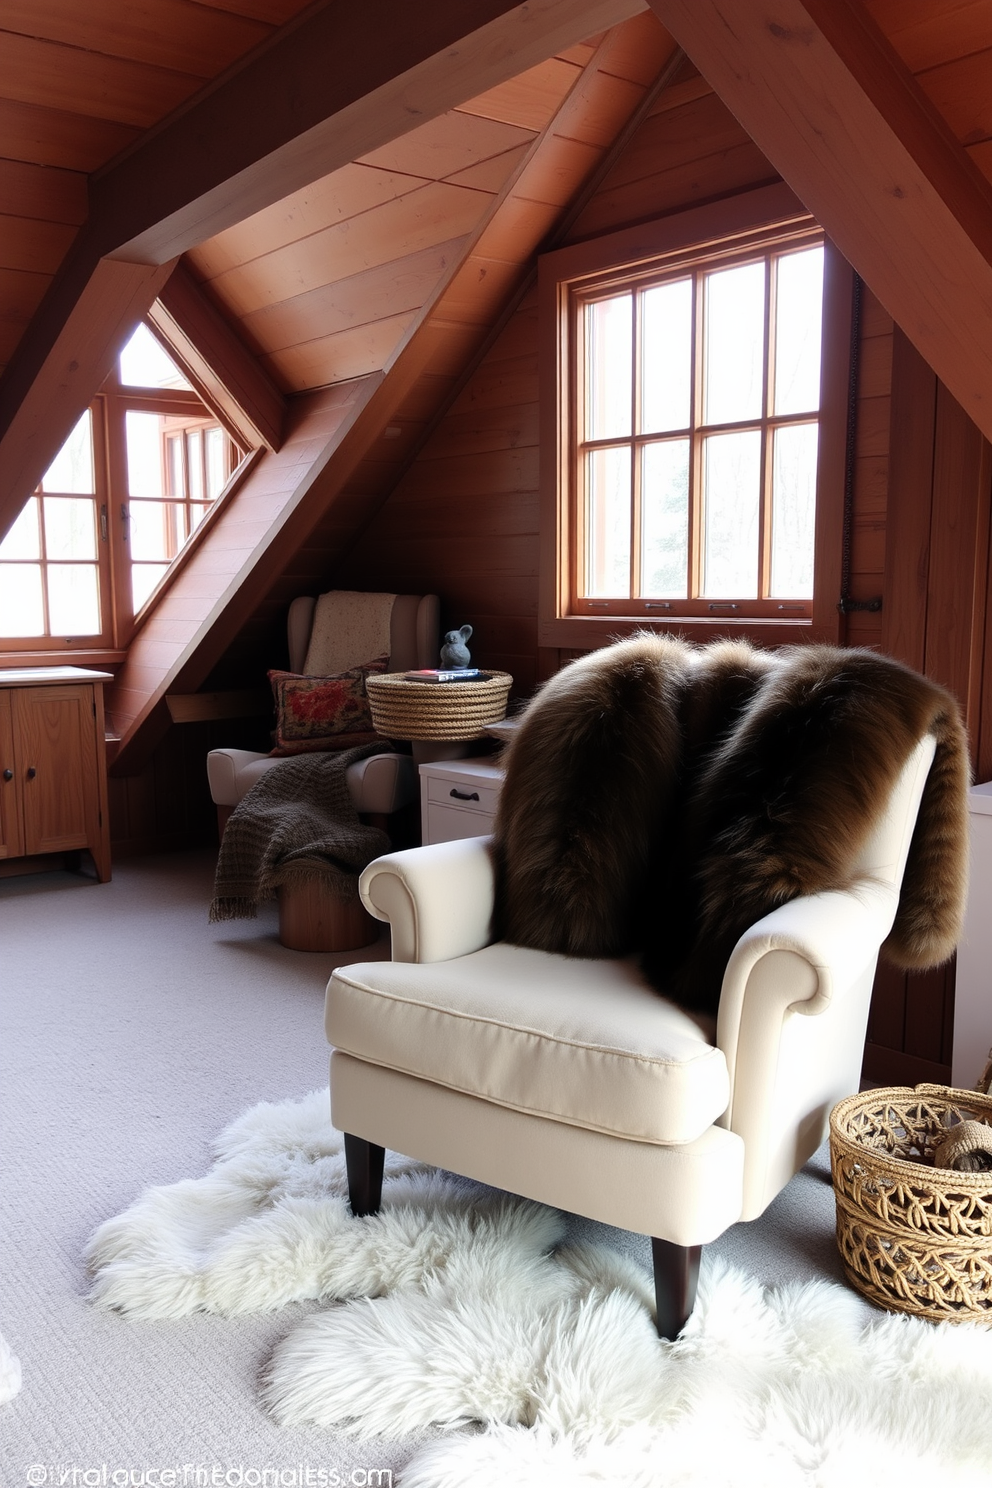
x=312, y=918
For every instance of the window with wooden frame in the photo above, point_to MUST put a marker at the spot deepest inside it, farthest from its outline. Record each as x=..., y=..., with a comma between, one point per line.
x=119, y=503
x=698, y=395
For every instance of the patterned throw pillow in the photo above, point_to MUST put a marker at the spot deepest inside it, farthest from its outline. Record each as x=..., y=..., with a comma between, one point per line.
x=323, y=712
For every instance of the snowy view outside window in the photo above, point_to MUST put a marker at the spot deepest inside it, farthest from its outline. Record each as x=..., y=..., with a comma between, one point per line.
x=699, y=421
x=175, y=459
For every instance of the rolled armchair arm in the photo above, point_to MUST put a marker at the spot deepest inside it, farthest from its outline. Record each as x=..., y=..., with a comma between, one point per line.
x=835, y=934
x=438, y=899
x=792, y=1020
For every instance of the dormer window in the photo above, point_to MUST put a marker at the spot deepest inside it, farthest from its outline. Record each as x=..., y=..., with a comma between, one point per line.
x=128, y=490
x=178, y=460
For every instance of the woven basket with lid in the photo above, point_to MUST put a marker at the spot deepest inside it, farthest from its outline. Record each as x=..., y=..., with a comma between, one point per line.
x=912, y=1237
x=404, y=709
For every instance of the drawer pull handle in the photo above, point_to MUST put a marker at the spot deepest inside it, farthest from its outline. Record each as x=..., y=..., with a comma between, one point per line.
x=461, y=796
x=8, y=774
x=32, y=772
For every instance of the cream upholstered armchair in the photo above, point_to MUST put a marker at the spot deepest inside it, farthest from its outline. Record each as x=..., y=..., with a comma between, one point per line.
x=570, y=1080
x=380, y=785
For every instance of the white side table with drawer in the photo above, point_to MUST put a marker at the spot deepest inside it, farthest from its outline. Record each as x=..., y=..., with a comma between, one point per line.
x=458, y=798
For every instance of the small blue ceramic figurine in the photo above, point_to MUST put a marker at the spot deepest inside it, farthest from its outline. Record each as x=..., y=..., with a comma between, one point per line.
x=455, y=655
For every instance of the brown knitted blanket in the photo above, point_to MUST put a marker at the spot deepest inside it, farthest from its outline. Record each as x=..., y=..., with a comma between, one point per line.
x=296, y=823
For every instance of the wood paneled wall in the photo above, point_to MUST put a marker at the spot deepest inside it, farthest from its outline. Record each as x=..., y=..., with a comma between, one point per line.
x=463, y=522
x=690, y=149
x=464, y=519
x=166, y=806
x=936, y=618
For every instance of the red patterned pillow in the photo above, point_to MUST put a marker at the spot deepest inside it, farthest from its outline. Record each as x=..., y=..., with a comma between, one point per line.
x=323, y=712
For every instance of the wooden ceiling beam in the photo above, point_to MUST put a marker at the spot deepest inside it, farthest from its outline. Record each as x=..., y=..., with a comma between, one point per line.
x=83, y=329
x=328, y=87
x=287, y=115
x=823, y=94
x=136, y=698
x=232, y=381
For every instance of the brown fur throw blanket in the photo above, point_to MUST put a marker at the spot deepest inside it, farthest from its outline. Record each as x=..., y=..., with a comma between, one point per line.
x=297, y=822
x=662, y=797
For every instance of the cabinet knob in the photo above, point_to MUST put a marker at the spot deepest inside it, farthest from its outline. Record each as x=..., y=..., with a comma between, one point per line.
x=8, y=774
x=32, y=772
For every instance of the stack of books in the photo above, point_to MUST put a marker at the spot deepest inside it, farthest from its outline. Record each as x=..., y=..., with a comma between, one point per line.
x=459, y=674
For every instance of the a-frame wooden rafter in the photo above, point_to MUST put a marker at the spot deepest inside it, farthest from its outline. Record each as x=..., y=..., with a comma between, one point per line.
x=187, y=634
x=823, y=94
x=328, y=87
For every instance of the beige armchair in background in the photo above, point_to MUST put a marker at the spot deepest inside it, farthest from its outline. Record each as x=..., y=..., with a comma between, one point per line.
x=311, y=918
x=378, y=786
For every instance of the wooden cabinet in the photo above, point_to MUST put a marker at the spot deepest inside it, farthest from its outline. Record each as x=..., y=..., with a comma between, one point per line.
x=53, y=775
x=458, y=798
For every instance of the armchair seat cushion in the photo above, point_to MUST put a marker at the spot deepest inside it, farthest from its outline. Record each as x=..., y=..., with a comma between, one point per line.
x=584, y=1042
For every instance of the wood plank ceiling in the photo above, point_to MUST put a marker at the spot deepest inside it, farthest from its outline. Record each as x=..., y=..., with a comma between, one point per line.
x=78, y=84
x=337, y=82
x=324, y=284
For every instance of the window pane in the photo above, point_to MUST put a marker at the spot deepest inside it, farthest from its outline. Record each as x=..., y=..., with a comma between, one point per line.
x=157, y=530
x=23, y=539
x=216, y=463
x=144, y=577
x=144, y=363
x=733, y=353
x=177, y=481
x=194, y=450
x=731, y=487
x=73, y=599
x=21, y=610
x=666, y=356
x=793, y=511
x=798, y=321
x=665, y=520
x=144, y=453
x=608, y=369
x=608, y=519
x=70, y=528
x=72, y=468
x=196, y=515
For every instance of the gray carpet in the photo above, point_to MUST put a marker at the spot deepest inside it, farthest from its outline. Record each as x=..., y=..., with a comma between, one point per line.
x=133, y=1031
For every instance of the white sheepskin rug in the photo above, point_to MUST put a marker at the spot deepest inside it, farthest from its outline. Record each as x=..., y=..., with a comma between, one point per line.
x=461, y=1307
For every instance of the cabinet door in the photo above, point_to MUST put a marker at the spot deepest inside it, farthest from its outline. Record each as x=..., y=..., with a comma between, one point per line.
x=11, y=837
x=55, y=750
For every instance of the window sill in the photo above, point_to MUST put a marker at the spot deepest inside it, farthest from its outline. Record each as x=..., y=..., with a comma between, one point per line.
x=62, y=656
x=585, y=632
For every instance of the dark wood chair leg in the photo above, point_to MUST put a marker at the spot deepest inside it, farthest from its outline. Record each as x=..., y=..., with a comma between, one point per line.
x=364, y=1162
x=676, y=1272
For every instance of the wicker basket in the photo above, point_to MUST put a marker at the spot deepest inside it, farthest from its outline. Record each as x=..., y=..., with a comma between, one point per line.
x=402, y=709
x=912, y=1237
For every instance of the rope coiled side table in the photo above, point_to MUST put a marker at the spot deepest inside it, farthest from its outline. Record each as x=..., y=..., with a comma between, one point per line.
x=913, y=1237
x=403, y=709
